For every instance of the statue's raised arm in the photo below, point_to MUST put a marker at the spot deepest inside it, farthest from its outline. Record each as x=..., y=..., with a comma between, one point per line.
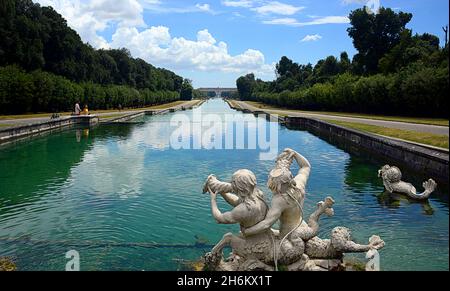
x=305, y=168
x=222, y=188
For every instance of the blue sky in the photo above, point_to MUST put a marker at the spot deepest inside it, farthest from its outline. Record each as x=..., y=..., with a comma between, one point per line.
x=214, y=42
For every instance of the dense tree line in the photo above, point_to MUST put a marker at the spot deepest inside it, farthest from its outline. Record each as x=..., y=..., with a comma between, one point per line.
x=40, y=91
x=38, y=40
x=394, y=72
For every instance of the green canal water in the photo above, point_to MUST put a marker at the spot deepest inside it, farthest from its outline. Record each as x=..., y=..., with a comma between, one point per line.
x=125, y=200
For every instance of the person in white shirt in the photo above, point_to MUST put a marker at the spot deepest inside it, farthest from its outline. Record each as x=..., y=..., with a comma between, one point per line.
x=77, y=109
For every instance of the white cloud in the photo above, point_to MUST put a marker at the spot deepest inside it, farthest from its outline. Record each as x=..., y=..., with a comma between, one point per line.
x=237, y=14
x=157, y=6
x=205, y=36
x=311, y=37
x=203, y=7
x=282, y=21
x=92, y=16
x=317, y=21
x=372, y=6
x=328, y=20
x=151, y=2
x=126, y=12
x=348, y=2
x=156, y=46
x=276, y=7
x=238, y=3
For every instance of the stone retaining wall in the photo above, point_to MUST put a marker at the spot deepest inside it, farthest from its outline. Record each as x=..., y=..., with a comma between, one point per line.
x=14, y=133
x=418, y=158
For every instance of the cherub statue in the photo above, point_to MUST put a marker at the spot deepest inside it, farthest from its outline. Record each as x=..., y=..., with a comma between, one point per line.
x=392, y=180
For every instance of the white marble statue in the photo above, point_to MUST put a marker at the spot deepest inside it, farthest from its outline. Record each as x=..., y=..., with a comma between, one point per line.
x=295, y=245
x=392, y=180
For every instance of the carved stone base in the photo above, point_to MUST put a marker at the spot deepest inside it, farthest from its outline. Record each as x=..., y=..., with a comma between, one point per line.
x=324, y=265
x=236, y=263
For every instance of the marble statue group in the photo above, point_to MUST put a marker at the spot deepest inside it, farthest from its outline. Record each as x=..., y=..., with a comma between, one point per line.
x=295, y=245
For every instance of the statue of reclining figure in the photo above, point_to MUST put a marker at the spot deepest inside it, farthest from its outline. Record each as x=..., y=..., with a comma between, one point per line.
x=392, y=181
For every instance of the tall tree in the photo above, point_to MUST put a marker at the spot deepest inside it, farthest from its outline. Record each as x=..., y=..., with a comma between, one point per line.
x=245, y=86
x=325, y=69
x=39, y=49
x=186, y=90
x=287, y=67
x=344, y=63
x=411, y=49
x=375, y=34
x=36, y=37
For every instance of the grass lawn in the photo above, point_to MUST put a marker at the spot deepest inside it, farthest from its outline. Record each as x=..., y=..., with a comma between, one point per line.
x=234, y=104
x=31, y=115
x=5, y=125
x=430, y=121
x=37, y=115
x=418, y=137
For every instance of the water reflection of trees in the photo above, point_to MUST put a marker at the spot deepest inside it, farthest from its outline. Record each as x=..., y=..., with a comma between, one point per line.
x=119, y=130
x=395, y=200
x=28, y=168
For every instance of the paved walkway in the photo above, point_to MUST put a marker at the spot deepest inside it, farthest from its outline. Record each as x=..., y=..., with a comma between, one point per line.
x=26, y=121
x=433, y=129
